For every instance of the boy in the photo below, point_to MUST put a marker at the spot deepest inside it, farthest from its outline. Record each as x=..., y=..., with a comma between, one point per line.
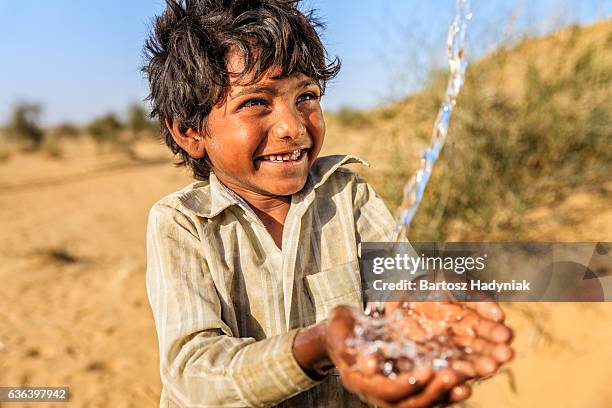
x=245, y=265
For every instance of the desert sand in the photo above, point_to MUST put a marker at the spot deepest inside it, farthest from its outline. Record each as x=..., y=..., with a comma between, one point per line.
x=74, y=310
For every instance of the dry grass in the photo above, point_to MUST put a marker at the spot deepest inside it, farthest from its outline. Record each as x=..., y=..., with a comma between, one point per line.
x=532, y=127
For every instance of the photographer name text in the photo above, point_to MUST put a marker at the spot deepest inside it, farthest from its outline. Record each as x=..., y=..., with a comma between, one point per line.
x=472, y=285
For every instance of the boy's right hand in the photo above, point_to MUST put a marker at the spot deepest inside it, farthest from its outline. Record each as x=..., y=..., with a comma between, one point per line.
x=417, y=388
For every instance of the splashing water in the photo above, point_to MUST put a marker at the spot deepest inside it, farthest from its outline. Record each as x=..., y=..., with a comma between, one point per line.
x=374, y=339
x=409, y=339
x=414, y=189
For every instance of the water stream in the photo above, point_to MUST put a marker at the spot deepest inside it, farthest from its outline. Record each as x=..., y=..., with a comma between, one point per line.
x=387, y=344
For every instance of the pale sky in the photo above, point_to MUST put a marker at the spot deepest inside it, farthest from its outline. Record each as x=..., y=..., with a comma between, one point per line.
x=81, y=59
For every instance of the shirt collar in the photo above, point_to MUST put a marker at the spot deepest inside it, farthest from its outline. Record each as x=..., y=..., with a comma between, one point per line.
x=325, y=166
x=209, y=198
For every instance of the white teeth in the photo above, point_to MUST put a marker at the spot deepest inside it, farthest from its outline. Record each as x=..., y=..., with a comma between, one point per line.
x=278, y=158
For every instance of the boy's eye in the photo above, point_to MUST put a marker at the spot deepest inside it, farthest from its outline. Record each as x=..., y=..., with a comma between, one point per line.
x=253, y=102
x=308, y=96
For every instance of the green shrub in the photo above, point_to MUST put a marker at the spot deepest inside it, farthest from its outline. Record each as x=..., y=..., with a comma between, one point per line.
x=138, y=121
x=67, y=130
x=51, y=146
x=24, y=125
x=105, y=129
x=351, y=117
x=5, y=155
x=108, y=131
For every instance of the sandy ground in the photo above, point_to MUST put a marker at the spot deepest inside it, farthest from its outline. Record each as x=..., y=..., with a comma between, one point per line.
x=73, y=307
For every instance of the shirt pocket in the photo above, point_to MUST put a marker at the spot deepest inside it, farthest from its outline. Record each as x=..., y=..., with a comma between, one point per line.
x=340, y=285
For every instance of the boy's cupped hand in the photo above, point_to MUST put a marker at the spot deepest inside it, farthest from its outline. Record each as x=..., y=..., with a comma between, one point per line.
x=481, y=328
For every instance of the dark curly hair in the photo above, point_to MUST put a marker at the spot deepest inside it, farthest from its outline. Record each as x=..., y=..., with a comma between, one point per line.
x=185, y=57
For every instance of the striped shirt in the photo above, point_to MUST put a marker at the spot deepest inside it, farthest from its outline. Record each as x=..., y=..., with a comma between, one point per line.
x=227, y=302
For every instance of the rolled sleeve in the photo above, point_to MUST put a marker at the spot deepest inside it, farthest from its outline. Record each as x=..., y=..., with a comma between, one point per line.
x=267, y=372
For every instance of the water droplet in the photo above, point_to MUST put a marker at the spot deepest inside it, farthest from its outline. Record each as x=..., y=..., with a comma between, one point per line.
x=438, y=364
x=387, y=368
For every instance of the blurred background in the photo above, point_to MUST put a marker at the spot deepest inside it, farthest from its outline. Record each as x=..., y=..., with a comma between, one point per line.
x=528, y=157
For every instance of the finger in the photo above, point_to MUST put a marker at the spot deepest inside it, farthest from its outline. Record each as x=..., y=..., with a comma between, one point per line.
x=409, y=327
x=342, y=361
x=501, y=353
x=467, y=325
x=484, y=365
x=393, y=305
x=488, y=310
x=463, y=341
x=494, y=332
x=460, y=393
x=433, y=308
x=482, y=347
x=384, y=388
x=340, y=327
x=464, y=367
x=445, y=380
x=344, y=313
x=367, y=364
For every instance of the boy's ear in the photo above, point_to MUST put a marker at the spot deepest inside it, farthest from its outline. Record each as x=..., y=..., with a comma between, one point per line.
x=190, y=140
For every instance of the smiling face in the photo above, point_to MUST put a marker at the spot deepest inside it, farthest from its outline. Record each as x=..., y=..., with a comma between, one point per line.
x=264, y=137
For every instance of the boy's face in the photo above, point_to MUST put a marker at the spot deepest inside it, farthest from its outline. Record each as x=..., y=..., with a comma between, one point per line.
x=263, y=139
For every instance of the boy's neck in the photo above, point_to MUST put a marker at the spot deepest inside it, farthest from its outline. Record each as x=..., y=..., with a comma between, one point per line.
x=276, y=207
x=271, y=210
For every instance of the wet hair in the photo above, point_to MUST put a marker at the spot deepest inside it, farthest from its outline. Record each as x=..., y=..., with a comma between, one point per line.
x=186, y=57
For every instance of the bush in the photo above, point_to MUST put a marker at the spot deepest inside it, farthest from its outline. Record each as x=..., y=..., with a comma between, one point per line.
x=105, y=129
x=51, y=146
x=351, y=117
x=138, y=121
x=24, y=125
x=109, y=131
x=67, y=130
x=5, y=155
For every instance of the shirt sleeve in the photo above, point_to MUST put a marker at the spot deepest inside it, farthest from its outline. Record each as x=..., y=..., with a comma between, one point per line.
x=202, y=363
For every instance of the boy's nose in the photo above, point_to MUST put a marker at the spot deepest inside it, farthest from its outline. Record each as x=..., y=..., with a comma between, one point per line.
x=288, y=125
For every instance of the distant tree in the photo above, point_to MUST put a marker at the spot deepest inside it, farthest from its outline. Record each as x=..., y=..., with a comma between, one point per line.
x=51, y=146
x=67, y=130
x=105, y=129
x=138, y=120
x=24, y=124
x=108, y=130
